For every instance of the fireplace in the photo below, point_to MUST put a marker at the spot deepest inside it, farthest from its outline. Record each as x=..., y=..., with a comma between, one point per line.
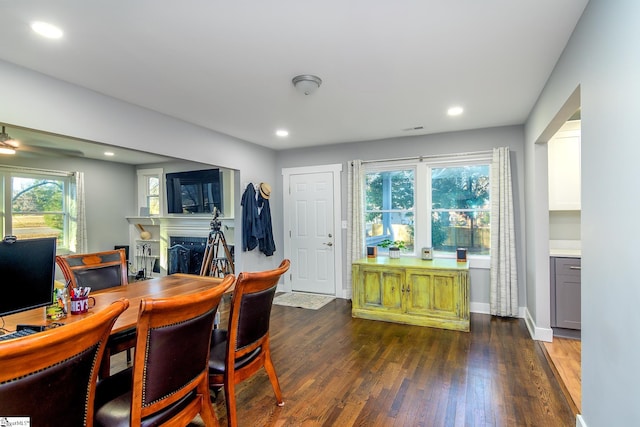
x=185, y=254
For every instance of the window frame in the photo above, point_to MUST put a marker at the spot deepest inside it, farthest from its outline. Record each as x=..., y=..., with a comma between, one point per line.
x=143, y=190
x=423, y=199
x=385, y=167
x=7, y=174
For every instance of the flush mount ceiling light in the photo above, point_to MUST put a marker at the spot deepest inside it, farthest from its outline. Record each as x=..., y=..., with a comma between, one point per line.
x=46, y=30
x=282, y=132
x=455, y=111
x=6, y=143
x=307, y=83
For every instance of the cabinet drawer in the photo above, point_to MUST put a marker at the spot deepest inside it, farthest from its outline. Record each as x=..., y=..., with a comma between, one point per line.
x=568, y=267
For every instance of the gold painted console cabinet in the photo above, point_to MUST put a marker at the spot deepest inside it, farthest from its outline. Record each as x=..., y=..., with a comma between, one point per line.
x=413, y=291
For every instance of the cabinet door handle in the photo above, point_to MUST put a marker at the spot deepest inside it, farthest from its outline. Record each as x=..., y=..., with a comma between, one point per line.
x=408, y=288
x=575, y=267
x=402, y=288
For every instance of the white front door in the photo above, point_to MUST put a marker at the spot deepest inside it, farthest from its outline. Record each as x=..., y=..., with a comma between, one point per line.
x=312, y=232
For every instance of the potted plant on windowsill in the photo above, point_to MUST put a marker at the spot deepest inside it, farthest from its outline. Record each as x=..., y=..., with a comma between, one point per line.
x=394, y=247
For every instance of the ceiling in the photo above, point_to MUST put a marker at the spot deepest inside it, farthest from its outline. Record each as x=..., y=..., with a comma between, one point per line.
x=389, y=68
x=35, y=143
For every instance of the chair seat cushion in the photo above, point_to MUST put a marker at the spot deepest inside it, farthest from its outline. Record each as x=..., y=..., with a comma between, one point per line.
x=113, y=403
x=219, y=351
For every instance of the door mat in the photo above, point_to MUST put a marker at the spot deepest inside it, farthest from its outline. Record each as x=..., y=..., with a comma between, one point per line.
x=309, y=301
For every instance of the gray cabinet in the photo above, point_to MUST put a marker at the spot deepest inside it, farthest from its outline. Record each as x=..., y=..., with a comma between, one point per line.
x=565, y=292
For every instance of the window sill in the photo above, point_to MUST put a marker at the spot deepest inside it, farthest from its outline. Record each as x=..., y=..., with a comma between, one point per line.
x=482, y=262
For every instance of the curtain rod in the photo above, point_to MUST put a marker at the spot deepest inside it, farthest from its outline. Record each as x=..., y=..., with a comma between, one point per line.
x=35, y=170
x=431, y=156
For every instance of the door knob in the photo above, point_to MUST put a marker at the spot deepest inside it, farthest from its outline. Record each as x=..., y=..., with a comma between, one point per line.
x=328, y=244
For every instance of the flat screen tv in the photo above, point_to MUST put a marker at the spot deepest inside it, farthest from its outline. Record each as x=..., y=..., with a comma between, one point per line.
x=194, y=191
x=27, y=271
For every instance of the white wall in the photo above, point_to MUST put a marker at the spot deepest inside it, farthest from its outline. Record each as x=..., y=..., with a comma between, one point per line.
x=35, y=101
x=602, y=60
x=446, y=143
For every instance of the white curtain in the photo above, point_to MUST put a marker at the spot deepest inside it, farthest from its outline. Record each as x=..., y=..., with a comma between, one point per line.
x=355, y=208
x=503, y=277
x=77, y=223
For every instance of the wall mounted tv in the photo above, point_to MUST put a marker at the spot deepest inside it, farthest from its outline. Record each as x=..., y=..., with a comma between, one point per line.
x=194, y=191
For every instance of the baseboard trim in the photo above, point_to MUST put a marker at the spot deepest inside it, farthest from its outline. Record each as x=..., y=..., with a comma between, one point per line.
x=538, y=334
x=479, y=307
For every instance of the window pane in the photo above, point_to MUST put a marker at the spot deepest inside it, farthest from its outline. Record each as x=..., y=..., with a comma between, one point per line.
x=462, y=187
x=460, y=209
x=154, y=186
x=36, y=195
x=389, y=207
x=394, y=226
x=29, y=226
x=153, y=202
x=390, y=190
x=37, y=208
x=461, y=229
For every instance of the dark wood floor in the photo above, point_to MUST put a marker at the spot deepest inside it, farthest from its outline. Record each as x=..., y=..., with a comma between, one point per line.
x=339, y=371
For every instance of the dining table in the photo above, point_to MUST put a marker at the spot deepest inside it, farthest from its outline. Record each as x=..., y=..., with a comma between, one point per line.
x=135, y=292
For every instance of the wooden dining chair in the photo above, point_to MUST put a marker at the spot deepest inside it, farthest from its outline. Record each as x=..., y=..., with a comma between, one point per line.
x=101, y=270
x=169, y=381
x=243, y=348
x=51, y=376
x=97, y=270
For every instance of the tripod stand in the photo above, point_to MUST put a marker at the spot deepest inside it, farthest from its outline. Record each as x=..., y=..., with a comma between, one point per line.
x=212, y=263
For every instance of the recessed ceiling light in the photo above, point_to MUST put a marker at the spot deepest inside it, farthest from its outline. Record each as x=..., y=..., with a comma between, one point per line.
x=455, y=111
x=46, y=30
x=109, y=153
x=282, y=132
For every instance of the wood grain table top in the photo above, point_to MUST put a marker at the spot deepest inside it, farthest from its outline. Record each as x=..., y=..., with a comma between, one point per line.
x=161, y=287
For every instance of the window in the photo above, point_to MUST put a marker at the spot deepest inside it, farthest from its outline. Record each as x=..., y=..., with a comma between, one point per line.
x=153, y=195
x=441, y=203
x=149, y=191
x=389, y=214
x=37, y=205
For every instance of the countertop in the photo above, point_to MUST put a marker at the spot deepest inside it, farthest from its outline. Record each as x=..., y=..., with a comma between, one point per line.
x=565, y=253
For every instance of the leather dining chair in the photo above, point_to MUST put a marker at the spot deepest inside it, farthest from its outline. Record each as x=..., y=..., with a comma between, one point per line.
x=169, y=381
x=243, y=348
x=101, y=270
x=97, y=270
x=51, y=376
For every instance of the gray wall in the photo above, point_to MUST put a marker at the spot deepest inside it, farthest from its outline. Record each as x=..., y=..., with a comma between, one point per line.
x=35, y=101
x=602, y=60
x=446, y=143
x=109, y=196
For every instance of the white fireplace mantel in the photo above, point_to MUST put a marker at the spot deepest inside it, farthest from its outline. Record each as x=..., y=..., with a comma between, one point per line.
x=163, y=228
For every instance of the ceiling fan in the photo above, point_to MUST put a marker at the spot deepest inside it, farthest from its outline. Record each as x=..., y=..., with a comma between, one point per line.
x=11, y=146
x=6, y=143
